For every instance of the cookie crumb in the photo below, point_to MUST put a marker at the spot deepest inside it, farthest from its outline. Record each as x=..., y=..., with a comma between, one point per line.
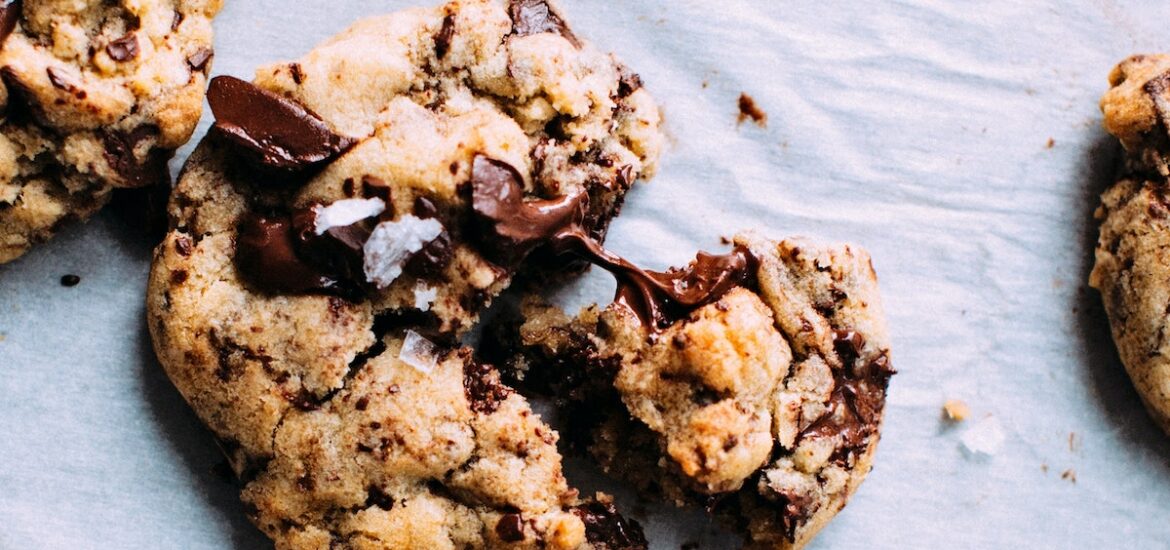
x=749, y=110
x=1069, y=475
x=956, y=410
x=984, y=438
x=1051, y=143
x=3, y=336
x=70, y=280
x=1044, y=468
x=1074, y=442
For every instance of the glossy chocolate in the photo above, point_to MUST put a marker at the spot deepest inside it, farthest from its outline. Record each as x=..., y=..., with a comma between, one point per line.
x=608, y=529
x=278, y=133
x=509, y=226
x=266, y=257
x=9, y=17
x=535, y=17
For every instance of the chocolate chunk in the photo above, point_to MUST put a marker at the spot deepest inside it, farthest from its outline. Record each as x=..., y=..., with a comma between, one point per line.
x=510, y=528
x=278, y=133
x=297, y=72
x=628, y=82
x=482, y=387
x=177, y=20
x=607, y=529
x=266, y=257
x=510, y=227
x=375, y=496
x=535, y=17
x=9, y=16
x=62, y=81
x=70, y=280
x=373, y=187
x=121, y=152
x=443, y=39
x=425, y=208
x=123, y=49
x=430, y=262
x=199, y=60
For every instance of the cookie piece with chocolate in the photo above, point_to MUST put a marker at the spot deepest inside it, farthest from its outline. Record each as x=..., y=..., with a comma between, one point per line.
x=367, y=201
x=1131, y=268
x=751, y=383
x=96, y=96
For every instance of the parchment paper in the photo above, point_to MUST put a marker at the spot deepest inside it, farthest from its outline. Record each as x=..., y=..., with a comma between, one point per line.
x=958, y=141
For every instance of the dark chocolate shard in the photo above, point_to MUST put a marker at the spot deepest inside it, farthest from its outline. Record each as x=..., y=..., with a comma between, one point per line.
x=535, y=17
x=607, y=529
x=511, y=227
x=278, y=133
x=124, y=48
x=198, y=61
x=446, y=34
x=9, y=17
x=64, y=82
x=137, y=168
x=510, y=528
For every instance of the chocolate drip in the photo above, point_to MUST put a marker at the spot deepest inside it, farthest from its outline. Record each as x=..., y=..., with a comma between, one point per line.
x=9, y=16
x=535, y=17
x=511, y=228
x=278, y=133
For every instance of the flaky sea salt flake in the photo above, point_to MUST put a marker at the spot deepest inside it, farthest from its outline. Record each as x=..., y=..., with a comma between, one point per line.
x=418, y=352
x=985, y=438
x=346, y=212
x=392, y=244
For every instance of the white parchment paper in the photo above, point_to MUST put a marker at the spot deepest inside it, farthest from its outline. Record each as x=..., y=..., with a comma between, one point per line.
x=958, y=141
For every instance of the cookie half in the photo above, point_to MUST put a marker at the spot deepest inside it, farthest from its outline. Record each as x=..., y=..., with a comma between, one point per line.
x=1132, y=267
x=347, y=218
x=96, y=96
x=756, y=391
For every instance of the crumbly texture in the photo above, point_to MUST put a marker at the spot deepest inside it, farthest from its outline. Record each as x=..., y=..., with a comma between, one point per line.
x=764, y=406
x=1132, y=267
x=96, y=96
x=341, y=442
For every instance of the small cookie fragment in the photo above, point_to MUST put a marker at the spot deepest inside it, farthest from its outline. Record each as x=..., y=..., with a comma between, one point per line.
x=955, y=410
x=96, y=96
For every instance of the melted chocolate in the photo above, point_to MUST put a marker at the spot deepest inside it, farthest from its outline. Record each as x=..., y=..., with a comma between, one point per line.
x=608, y=529
x=535, y=17
x=510, y=227
x=123, y=49
x=278, y=133
x=9, y=16
x=266, y=257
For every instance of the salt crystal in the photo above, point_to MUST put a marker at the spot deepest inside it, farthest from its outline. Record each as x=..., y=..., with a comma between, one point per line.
x=346, y=212
x=984, y=438
x=418, y=352
x=424, y=296
x=392, y=244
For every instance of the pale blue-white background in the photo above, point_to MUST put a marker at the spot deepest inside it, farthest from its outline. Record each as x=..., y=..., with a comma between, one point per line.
x=916, y=128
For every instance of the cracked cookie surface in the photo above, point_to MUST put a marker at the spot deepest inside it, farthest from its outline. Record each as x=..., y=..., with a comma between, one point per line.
x=1132, y=265
x=764, y=405
x=329, y=244
x=96, y=96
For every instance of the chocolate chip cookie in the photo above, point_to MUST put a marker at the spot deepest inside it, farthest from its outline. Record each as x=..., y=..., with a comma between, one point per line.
x=96, y=96
x=348, y=217
x=1132, y=268
x=751, y=383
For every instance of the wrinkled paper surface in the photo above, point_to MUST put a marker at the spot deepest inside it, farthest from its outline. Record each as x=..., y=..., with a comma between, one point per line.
x=959, y=142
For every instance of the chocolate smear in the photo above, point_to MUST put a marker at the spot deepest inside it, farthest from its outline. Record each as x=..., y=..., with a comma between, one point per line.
x=123, y=49
x=535, y=17
x=9, y=17
x=278, y=133
x=608, y=529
